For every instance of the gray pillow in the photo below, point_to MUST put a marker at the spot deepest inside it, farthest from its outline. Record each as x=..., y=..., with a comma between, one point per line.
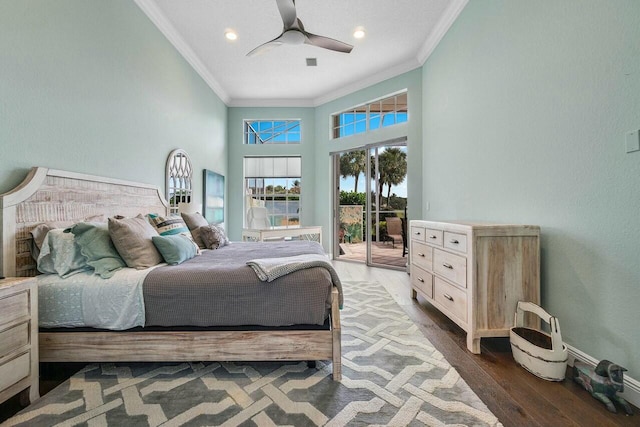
x=132, y=238
x=213, y=236
x=175, y=248
x=194, y=221
x=96, y=246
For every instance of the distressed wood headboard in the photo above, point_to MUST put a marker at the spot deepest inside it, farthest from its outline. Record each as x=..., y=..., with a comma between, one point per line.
x=47, y=195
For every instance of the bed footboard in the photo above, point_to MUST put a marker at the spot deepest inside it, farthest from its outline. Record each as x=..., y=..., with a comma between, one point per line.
x=179, y=346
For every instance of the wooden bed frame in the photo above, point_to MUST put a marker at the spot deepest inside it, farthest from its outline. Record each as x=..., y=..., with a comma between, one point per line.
x=48, y=195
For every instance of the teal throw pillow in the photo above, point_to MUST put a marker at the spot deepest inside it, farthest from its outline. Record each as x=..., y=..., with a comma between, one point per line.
x=175, y=249
x=96, y=246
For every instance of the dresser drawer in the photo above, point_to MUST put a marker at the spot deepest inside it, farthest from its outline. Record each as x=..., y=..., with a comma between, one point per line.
x=13, y=338
x=451, y=297
x=417, y=233
x=422, y=281
x=451, y=267
x=14, y=307
x=422, y=255
x=433, y=236
x=14, y=370
x=455, y=241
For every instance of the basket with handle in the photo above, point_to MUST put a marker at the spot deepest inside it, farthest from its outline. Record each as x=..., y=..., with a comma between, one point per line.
x=540, y=353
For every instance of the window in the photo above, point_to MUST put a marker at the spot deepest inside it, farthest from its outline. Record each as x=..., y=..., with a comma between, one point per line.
x=374, y=115
x=276, y=184
x=272, y=132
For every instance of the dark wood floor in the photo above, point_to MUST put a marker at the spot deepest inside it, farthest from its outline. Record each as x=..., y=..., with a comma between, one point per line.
x=515, y=396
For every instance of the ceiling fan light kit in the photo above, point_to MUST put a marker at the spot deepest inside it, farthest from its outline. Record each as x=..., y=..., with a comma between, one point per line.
x=293, y=33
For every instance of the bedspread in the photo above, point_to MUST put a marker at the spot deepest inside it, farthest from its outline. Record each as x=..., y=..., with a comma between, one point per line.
x=192, y=294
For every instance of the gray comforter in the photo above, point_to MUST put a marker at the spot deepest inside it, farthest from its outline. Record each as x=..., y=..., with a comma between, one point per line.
x=218, y=288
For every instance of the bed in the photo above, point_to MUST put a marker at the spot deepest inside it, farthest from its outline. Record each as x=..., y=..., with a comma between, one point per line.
x=48, y=195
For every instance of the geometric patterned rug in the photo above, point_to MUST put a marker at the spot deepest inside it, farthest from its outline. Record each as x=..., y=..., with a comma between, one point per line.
x=391, y=375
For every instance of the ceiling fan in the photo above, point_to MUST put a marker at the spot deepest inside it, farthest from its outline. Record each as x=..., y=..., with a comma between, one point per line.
x=293, y=33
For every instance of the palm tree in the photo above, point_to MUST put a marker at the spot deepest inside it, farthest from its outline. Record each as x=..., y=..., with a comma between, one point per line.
x=353, y=164
x=393, y=168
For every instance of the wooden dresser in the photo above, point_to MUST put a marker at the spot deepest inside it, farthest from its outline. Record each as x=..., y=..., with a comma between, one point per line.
x=18, y=337
x=475, y=273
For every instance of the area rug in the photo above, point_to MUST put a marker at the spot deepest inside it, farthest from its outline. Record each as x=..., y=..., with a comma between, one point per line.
x=392, y=375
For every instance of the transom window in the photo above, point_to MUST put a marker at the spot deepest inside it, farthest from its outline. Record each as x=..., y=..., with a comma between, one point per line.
x=385, y=112
x=272, y=132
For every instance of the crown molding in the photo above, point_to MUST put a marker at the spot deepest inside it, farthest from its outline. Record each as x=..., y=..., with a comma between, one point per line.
x=162, y=23
x=374, y=78
x=270, y=102
x=441, y=28
x=386, y=74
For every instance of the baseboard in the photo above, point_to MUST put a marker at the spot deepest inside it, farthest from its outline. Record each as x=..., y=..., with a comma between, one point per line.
x=631, y=386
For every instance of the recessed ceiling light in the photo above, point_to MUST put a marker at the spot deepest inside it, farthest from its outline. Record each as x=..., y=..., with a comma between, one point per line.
x=359, y=33
x=230, y=35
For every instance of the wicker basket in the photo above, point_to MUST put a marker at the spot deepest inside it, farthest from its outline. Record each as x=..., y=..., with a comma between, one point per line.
x=542, y=354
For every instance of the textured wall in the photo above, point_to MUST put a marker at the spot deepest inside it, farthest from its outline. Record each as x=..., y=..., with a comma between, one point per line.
x=526, y=106
x=92, y=86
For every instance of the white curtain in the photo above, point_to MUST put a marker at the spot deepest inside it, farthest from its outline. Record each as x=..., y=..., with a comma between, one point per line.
x=272, y=167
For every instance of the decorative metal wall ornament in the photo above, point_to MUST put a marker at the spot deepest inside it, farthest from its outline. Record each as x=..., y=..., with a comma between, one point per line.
x=179, y=183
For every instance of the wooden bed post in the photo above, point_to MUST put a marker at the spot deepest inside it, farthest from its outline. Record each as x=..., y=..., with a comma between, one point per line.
x=336, y=335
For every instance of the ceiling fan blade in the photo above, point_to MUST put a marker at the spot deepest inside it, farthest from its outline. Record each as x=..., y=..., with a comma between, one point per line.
x=265, y=47
x=287, y=10
x=327, y=43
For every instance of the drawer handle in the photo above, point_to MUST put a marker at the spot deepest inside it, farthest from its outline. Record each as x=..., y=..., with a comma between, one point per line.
x=433, y=236
x=417, y=233
x=420, y=279
x=447, y=296
x=419, y=254
x=454, y=241
x=449, y=266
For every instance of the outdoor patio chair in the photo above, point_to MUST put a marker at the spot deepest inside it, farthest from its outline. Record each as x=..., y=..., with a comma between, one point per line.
x=394, y=231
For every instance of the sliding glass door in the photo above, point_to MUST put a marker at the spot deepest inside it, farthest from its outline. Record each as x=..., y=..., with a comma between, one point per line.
x=371, y=201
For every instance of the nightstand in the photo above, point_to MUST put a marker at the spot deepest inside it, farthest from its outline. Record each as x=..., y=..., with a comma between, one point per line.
x=18, y=337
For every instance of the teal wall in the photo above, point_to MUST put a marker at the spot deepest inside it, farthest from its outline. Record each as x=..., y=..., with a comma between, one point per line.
x=411, y=81
x=238, y=150
x=526, y=106
x=92, y=86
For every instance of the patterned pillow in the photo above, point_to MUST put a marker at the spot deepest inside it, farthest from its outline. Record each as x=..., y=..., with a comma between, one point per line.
x=213, y=236
x=168, y=225
x=171, y=226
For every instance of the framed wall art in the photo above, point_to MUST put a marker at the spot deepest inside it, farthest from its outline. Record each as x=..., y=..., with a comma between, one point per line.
x=213, y=196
